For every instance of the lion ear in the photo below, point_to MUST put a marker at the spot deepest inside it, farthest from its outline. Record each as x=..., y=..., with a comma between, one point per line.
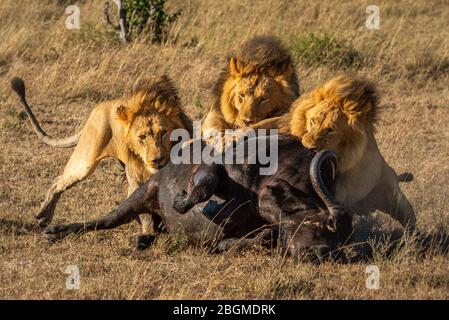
x=235, y=68
x=287, y=71
x=283, y=74
x=122, y=113
x=356, y=113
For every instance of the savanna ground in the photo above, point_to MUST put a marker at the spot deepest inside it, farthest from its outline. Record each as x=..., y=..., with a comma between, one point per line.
x=67, y=72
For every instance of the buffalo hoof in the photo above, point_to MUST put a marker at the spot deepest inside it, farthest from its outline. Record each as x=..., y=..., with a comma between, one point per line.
x=57, y=232
x=144, y=241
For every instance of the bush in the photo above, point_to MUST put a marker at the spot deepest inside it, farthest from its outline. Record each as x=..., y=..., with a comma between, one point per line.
x=322, y=49
x=149, y=16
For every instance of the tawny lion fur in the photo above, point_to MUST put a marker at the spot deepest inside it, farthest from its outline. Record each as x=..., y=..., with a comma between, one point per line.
x=134, y=130
x=258, y=82
x=341, y=116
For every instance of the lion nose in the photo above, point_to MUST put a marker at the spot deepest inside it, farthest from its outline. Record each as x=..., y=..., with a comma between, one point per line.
x=248, y=122
x=158, y=162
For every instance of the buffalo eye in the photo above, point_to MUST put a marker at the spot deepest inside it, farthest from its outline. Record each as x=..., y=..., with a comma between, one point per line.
x=163, y=132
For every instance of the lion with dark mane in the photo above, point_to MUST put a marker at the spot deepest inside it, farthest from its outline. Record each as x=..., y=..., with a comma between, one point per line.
x=258, y=82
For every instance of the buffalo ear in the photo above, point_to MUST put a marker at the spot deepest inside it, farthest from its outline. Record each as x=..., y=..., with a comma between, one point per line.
x=235, y=68
x=122, y=113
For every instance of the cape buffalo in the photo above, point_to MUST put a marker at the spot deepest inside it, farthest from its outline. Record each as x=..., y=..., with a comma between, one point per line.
x=223, y=205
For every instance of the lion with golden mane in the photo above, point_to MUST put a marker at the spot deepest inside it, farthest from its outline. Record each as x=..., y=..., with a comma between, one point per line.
x=258, y=82
x=341, y=116
x=134, y=130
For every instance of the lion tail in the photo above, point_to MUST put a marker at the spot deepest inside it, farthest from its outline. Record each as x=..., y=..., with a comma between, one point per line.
x=18, y=86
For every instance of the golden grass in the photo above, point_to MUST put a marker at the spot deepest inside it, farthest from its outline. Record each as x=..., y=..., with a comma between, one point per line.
x=68, y=72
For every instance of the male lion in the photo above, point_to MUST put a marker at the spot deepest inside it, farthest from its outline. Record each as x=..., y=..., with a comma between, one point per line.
x=258, y=82
x=340, y=115
x=135, y=130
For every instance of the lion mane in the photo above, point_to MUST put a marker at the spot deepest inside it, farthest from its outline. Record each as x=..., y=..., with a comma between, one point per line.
x=341, y=115
x=160, y=96
x=261, y=73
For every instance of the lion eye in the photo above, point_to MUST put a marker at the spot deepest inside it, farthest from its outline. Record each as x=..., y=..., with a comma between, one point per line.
x=241, y=97
x=142, y=137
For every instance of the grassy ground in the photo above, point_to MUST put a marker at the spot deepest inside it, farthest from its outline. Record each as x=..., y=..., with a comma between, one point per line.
x=68, y=72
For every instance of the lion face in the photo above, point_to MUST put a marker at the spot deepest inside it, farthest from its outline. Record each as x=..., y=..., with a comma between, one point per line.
x=326, y=128
x=249, y=97
x=256, y=98
x=339, y=116
x=149, y=138
x=148, y=118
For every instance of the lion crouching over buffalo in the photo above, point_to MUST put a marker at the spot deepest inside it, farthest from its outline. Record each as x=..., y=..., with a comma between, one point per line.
x=341, y=116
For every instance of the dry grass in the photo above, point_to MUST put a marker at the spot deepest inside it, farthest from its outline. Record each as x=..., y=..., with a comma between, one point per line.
x=68, y=72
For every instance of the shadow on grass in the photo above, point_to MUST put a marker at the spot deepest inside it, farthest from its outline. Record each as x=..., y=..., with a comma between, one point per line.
x=372, y=238
x=8, y=227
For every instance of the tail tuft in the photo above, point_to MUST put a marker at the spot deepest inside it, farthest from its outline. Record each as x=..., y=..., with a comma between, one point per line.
x=18, y=86
x=405, y=177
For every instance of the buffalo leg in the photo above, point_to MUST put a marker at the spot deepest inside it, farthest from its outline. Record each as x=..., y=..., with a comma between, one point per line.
x=146, y=220
x=142, y=200
x=244, y=243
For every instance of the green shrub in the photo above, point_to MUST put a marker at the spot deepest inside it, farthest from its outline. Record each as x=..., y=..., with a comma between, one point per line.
x=149, y=16
x=318, y=49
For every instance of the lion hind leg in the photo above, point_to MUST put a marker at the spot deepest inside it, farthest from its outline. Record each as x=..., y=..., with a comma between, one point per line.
x=68, y=179
x=395, y=202
x=82, y=164
x=92, y=147
x=402, y=210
